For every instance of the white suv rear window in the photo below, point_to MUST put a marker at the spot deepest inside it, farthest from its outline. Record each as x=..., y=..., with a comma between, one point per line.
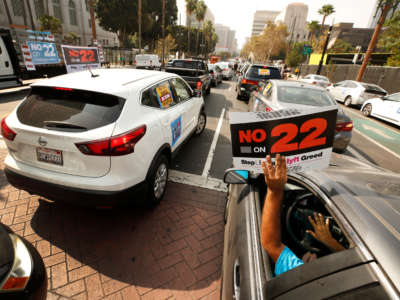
x=69, y=109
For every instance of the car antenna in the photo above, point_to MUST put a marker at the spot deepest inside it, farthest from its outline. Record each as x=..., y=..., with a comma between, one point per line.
x=90, y=70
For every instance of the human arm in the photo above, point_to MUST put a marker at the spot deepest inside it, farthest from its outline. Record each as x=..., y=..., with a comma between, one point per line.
x=275, y=178
x=322, y=233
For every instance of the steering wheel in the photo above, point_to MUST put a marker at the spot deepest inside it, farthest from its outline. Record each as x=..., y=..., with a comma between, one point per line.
x=302, y=215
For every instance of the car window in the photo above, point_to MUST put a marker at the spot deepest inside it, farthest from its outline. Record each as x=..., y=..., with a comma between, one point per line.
x=159, y=96
x=340, y=84
x=262, y=72
x=351, y=85
x=304, y=96
x=372, y=88
x=218, y=69
x=321, y=78
x=307, y=77
x=181, y=89
x=394, y=97
x=187, y=64
x=267, y=92
x=78, y=110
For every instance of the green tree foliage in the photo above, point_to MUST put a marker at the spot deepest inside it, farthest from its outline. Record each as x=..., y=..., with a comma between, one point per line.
x=326, y=10
x=295, y=55
x=200, y=12
x=170, y=45
x=341, y=46
x=390, y=39
x=50, y=23
x=224, y=55
x=120, y=16
x=313, y=27
x=190, y=9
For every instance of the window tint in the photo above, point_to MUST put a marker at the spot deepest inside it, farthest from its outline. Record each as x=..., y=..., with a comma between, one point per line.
x=78, y=108
x=304, y=96
x=149, y=98
x=188, y=64
x=162, y=93
x=181, y=89
x=372, y=88
x=263, y=72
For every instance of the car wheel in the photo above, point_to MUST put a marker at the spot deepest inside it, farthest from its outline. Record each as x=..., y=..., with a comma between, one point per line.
x=201, y=124
x=367, y=109
x=157, y=182
x=347, y=101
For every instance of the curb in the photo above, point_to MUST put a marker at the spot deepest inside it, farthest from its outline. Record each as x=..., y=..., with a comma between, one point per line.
x=15, y=90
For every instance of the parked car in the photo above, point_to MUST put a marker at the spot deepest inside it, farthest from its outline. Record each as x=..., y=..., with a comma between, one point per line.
x=386, y=108
x=319, y=80
x=22, y=273
x=194, y=71
x=361, y=202
x=227, y=70
x=148, y=61
x=281, y=94
x=216, y=74
x=352, y=92
x=96, y=140
x=254, y=75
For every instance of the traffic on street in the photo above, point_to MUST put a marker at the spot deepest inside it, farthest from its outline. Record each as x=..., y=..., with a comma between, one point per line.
x=147, y=157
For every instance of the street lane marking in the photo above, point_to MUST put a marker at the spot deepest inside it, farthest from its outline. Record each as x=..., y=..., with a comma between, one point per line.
x=211, y=153
x=378, y=144
x=377, y=131
x=357, y=154
x=197, y=180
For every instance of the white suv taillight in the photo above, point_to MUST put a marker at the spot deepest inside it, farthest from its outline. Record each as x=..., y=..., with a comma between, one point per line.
x=6, y=132
x=114, y=146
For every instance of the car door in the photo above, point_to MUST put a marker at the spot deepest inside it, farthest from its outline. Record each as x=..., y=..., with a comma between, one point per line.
x=190, y=105
x=171, y=113
x=336, y=90
x=390, y=108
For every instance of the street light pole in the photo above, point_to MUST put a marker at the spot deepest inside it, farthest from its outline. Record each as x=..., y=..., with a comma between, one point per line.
x=163, y=33
x=323, y=51
x=140, y=26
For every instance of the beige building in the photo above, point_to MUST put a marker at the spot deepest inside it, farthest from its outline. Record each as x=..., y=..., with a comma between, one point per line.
x=74, y=16
x=195, y=24
x=261, y=17
x=295, y=18
x=226, y=39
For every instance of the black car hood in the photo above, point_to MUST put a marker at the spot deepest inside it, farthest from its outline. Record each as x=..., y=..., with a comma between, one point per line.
x=6, y=252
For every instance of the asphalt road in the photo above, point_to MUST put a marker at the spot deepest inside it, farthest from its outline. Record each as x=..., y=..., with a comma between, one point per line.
x=373, y=140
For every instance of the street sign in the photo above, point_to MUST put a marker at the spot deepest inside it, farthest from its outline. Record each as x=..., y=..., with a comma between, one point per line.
x=43, y=53
x=79, y=58
x=307, y=50
x=304, y=137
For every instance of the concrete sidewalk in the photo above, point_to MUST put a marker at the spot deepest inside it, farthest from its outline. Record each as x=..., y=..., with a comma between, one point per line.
x=25, y=86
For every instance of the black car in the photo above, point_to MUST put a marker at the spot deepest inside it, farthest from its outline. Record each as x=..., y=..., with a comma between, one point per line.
x=252, y=77
x=364, y=211
x=22, y=272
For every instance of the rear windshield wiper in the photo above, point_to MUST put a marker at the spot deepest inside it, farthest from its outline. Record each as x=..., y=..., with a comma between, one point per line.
x=61, y=125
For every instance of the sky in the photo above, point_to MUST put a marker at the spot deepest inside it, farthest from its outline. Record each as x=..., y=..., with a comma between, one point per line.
x=238, y=14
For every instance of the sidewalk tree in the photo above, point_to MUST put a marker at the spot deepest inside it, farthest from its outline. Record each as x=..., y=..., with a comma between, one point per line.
x=190, y=9
x=200, y=13
x=50, y=23
x=170, y=44
x=383, y=8
x=313, y=27
x=341, y=46
x=210, y=36
x=295, y=55
x=390, y=39
x=326, y=10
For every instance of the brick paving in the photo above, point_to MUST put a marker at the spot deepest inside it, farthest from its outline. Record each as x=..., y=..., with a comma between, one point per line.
x=171, y=252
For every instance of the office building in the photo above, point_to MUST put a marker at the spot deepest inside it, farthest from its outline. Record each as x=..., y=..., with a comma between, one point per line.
x=261, y=17
x=226, y=39
x=294, y=16
x=195, y=24
x=354, y=36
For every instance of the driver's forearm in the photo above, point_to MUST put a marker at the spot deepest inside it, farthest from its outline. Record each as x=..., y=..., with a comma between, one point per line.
x=271, y=224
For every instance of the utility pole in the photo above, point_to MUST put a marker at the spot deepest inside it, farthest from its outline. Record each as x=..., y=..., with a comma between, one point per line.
x=163, y=33
x=8, y=12
x=323, y=51
x=94, y=34
x=140, y=26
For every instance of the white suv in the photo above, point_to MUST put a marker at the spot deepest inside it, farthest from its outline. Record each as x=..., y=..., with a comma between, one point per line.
x=95, y=139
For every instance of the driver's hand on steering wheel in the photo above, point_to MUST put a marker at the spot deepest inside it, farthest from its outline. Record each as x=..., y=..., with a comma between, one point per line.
x=322, y=233
x=275, y=176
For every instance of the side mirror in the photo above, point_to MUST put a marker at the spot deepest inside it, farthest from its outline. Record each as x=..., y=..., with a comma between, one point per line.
x=234, y=176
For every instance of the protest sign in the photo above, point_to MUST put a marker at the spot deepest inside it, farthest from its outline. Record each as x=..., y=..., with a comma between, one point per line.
x=304, y=137
x=43, y=53
x=80, y=58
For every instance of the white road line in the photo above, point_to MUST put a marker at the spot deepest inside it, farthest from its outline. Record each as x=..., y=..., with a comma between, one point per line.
x=197, y=180
x=357, y=154
x=210, y=156
x=376, y=143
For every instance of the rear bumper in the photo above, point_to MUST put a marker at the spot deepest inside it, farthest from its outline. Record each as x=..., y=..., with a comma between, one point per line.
x=84, y=197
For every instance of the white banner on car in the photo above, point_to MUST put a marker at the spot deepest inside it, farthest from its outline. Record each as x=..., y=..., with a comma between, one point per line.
x=78, y=58
x=304, y=137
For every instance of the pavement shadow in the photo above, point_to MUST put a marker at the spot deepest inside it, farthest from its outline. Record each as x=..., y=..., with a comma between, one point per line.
x=11, y=97
x=147, y=248
x=215, y=105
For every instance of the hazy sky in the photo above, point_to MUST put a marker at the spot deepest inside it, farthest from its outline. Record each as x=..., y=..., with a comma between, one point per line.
x=238, y=14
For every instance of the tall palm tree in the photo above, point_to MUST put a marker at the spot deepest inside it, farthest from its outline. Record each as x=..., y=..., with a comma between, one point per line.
x=313, y=26
x=190, y=8
x=383, y=7
x=208, y=30
x=326, y=11
x=200, y=12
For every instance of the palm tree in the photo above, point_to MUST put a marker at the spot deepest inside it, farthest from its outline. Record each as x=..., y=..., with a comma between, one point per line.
x=208, y=30
x=190, y=8
x=383, y=7
x=200, y=11
x=313, y=26
x=325, y=11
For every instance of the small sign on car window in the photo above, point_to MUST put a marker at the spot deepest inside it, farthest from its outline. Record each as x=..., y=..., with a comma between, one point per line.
x=164, y=95
x=263, y=72
x=304, y=137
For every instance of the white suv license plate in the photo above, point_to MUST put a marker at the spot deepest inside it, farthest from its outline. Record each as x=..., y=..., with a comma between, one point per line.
x=49, y=156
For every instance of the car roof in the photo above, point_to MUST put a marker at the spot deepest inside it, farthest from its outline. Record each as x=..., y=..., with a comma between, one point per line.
x=109, y=81
x=370, y=202
x=293, y=83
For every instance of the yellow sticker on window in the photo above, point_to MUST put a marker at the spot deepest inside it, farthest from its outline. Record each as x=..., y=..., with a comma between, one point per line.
x=267, y=89
x=263, y=72
x=164, y=95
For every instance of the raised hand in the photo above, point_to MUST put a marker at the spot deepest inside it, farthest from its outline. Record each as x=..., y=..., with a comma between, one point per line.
x=322, y=233
x=275, y=176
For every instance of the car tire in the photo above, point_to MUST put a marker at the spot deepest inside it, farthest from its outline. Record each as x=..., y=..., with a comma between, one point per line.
x=201, y=124
x=367, y=109
x=347, y=101
x=157, y=181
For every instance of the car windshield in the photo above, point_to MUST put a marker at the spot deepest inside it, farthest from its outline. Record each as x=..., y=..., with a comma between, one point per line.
x=394, y=97
x=304, y=96
x=262, y=72
x=372, y=88
x=187, y=64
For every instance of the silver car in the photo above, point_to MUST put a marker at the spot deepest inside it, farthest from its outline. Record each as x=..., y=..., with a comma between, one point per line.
x=352, y=92
x=280, y=94
x=319, y=80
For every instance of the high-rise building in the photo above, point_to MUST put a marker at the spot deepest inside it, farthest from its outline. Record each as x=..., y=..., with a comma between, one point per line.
x=73, y=14
x=226, y=39
x=195, y=24
x=375, y=16
x=295, y=18
x=261, y=17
